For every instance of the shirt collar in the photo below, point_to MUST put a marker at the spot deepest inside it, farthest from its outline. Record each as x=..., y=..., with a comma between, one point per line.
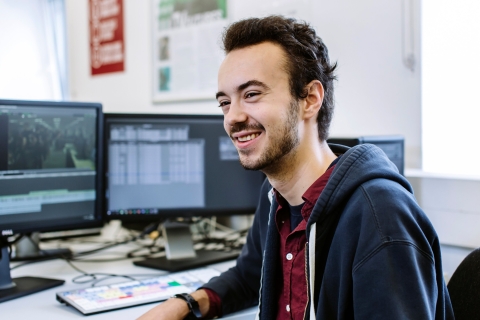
x=312, y=193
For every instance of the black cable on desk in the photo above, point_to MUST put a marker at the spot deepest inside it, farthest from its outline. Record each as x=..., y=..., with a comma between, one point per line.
x=94, y=278
x=151, y=227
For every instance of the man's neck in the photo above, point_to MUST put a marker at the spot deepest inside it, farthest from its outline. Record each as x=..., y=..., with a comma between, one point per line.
x=299, y=170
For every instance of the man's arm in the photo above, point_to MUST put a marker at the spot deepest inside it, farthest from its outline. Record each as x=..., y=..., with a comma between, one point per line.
x=174, y=308
x=238, y=287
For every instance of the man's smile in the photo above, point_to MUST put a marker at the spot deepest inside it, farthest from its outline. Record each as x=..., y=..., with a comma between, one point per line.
x=248, y=137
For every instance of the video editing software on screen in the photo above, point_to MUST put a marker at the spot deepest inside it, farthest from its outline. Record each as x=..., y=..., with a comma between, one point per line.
x=49, y=166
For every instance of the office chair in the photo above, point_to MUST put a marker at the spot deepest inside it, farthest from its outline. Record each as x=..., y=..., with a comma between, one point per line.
x=464, y=288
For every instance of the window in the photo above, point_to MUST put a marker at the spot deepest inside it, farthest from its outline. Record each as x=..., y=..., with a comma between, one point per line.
x=451, y=86
x=33, y=62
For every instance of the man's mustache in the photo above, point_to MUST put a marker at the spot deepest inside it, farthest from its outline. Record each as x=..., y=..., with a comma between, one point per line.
x=237, y=127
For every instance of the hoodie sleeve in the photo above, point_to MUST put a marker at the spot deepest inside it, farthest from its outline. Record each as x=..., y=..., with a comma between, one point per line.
x=384, y=261
x=238, y=287
x=397, y=282
x=397, y=270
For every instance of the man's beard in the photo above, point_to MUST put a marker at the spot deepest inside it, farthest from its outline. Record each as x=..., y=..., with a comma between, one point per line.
x=282, y=141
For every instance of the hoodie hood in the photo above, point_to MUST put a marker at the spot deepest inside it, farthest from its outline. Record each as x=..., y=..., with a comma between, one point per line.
x=356, y=166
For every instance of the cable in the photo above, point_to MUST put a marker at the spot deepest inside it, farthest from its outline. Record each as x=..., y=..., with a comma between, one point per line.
x=9, y=245
x=154, y=248
x=94, y=278
x=151, y=227
x=101, y=260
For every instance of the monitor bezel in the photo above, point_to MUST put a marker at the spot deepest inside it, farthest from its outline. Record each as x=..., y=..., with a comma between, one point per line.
x=7, y=230
x=164, y=213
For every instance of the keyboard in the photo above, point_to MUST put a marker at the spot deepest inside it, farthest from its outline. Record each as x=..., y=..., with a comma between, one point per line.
x=132, y=293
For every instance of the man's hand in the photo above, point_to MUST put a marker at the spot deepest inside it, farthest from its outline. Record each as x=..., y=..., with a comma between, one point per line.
x=174, y=308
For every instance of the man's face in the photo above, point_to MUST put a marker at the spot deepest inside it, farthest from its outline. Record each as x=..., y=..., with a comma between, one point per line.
x=261, y=116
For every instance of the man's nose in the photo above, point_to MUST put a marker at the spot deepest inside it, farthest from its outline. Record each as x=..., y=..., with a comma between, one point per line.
x=235, y=114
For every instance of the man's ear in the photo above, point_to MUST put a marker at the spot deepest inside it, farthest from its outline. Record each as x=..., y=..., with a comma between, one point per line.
x=313, y=101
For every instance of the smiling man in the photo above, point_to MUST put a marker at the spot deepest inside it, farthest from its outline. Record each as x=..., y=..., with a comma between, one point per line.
x=337, y=233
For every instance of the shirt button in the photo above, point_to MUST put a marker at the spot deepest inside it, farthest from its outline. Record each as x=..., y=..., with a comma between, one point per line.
x=288, y=308
x=289, y=256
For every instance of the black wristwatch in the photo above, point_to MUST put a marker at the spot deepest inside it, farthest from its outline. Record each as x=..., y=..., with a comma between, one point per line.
x=192, y=305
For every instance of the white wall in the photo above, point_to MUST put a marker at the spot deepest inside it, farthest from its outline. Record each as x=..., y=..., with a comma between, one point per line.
x=452, y=205
x=128, y=91
x=375, y=94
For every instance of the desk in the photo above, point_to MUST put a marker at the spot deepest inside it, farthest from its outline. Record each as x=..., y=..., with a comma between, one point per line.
x=44, y=306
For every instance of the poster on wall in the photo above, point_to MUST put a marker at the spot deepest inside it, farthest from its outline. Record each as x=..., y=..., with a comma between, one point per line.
x=186, y=48
x=107, y=45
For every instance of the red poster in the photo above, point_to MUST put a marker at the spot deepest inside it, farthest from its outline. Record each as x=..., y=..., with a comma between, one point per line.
x=107, y=46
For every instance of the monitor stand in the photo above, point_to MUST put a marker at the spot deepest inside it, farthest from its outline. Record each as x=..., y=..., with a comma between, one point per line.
x=22, y=286
x=179, y=252
x=28, y=248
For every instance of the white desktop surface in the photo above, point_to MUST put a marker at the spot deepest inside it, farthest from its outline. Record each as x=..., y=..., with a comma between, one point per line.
x=43, y=305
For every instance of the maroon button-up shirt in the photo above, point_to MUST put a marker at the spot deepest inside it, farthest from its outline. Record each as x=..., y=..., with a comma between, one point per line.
x=293, y=296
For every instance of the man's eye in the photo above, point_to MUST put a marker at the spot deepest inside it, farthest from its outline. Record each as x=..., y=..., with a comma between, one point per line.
x=223, y=104
x=251, y=94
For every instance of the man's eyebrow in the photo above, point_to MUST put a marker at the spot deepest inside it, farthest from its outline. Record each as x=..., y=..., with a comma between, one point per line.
x=219, y=94
x=245, y=85
x=249, y=83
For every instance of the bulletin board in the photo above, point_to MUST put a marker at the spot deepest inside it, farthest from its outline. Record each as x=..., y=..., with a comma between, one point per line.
x=187, y=41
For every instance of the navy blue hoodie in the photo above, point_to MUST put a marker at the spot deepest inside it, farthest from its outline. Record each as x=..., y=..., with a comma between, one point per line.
x=371, y=253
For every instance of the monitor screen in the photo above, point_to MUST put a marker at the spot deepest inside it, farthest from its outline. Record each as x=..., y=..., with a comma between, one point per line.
x=392, y=145
x=160, y=166
x=49, y=166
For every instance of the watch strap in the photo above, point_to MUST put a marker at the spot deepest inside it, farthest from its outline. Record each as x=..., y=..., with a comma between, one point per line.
x=192, y=305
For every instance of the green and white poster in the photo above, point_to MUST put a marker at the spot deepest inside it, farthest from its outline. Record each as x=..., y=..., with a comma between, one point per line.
x=187, y=48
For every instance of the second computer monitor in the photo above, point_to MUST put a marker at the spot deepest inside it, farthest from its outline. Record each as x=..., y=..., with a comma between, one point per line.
x=165, y=166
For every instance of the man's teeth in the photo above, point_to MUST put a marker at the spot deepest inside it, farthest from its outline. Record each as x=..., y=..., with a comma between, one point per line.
x=249, y=137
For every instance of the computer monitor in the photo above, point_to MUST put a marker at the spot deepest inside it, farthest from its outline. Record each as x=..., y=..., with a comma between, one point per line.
x=168, y=166
x=50, y=164
x=392, y=145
